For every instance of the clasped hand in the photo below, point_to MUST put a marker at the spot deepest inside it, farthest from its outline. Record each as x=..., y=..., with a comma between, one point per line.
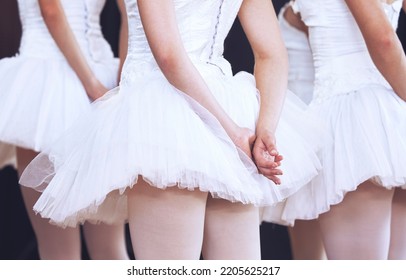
x=261, y=148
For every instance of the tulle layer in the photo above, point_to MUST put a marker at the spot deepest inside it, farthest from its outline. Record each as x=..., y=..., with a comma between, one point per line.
x=41, y=98
x=150, y=130
x=368, y=132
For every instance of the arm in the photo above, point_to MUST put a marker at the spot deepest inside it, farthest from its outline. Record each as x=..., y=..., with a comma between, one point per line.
x=383, y=44
x=58, y=26
x=295, y=20
x=160, y=26
x=123, y=40
x=260, y=24
x=404, y=6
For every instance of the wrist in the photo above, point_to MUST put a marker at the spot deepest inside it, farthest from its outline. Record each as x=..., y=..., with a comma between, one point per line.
x=265, y=128
x=90, y=82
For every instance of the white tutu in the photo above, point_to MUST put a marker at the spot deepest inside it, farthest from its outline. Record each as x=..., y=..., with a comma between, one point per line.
x=149, y=129
x=40, y=98
x=369, y=143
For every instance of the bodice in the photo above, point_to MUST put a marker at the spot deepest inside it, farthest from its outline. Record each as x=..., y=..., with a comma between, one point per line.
x=300, y=56
x=84, y=19
x=203, y=27
x=341, y=58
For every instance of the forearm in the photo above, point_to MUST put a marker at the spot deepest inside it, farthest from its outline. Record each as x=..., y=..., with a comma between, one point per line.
x=61, y=32
x=183, y=75
x=261, y=26
x=390, y=60
x=383, y=44
x=271, y=77
x=161, y=29
x=295, y=20
x=123, y=48
x=123, y=36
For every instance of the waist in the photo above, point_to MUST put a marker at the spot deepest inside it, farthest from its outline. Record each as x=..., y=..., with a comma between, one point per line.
x=136, y=66
x=39, y=43
x=346, y=74
x=300, y=65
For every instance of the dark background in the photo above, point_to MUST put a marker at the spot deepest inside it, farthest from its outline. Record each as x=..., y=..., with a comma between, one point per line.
x=17, y=240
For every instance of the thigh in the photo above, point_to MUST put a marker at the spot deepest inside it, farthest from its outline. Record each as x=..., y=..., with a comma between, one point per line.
x=166, y=224
x=231, y=231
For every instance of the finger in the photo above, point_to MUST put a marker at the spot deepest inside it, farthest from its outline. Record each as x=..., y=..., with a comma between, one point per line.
x=278, y=158
x=274, y=179
x=270, y=145
x=270, y=172
x=272, y=150
x=264, y=163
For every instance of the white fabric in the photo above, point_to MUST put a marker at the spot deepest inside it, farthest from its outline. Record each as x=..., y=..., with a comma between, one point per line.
x=147, y=128
x=40, y=94
x=301, y=69
x=364, y=117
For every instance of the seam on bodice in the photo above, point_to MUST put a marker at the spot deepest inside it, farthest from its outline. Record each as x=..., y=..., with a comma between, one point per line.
x=216, y=27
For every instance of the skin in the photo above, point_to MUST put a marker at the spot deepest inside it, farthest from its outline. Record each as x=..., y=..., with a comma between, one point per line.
x=123, y=39
x=371, y=214
x=104, y=241
x=305, y=237
x=383, y=44
x=261, y=26
x=295, y=20
x=57, y=24
x=271, y=61
x=168, y=50
x=208, y=220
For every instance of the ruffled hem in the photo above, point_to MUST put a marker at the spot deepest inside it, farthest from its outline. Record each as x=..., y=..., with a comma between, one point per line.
x=41, y=98
x=368, y=143
x=151, y=130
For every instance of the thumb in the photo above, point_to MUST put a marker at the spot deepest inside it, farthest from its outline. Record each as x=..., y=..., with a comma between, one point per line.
x=271, y=147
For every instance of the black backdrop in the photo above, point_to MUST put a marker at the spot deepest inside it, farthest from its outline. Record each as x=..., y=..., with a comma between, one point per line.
x=16, y=236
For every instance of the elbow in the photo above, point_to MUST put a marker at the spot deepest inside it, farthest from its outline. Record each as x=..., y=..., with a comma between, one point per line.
x=167, y=60
x=381, y=48
x=50, y=13
x=277, y=58
x=385, y=41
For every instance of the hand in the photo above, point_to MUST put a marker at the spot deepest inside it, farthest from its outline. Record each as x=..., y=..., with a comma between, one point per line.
x=95, y=90
x=244, y=138
x=266, y=156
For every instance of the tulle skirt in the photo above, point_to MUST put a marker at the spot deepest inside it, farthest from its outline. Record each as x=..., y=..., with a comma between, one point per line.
x=148, y=129
x=368, y=132
x=41, y=98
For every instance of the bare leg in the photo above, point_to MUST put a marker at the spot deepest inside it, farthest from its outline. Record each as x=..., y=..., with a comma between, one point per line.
x=53, y=242
x=166, y=224
x=397, y=249
x=359, y=227
x=306, y=241
x=105, y=242
x=231, y=231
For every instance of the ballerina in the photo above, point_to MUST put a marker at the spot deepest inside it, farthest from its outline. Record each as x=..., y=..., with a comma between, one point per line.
x=360, y=92
x=305, y=237
x=170, y=148
x=63, y=63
